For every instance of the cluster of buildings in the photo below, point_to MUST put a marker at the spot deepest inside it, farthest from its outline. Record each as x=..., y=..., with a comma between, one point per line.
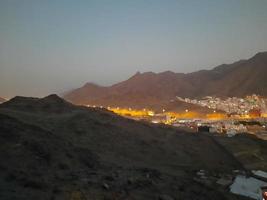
x=230, y=127
x=254, y=104
x=241, y=115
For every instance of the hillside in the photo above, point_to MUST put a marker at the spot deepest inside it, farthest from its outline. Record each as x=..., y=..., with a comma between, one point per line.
x=2, y=100
x=51, y=149
x=241, y=78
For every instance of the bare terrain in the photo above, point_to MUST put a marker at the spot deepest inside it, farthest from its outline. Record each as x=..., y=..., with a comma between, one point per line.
x=51, y=149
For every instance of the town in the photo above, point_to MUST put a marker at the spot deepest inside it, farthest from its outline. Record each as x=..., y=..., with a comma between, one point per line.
x=250, y=105
x=229, y=116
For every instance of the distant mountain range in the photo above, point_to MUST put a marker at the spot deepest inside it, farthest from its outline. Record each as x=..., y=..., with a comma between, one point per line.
x=241, y=78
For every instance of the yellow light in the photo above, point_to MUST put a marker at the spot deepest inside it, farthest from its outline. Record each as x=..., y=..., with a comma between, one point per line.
x=150, y=113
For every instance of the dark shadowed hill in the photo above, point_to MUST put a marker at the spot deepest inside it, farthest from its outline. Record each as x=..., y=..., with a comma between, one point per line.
x=50, y=104
x=51, y=149
x=241, y=78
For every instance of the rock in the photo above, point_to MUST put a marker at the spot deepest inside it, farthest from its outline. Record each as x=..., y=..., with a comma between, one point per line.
x=201, y=172
x=131, y=180
x=224, y=181
x=109, y=178
x=165, y=197
x=105, y=186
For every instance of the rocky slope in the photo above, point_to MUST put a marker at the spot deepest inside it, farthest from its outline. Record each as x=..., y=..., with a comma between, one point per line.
x=51, y=149
x=241, y=78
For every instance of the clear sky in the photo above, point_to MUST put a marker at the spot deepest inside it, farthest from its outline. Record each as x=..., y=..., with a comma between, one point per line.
x=51, y=46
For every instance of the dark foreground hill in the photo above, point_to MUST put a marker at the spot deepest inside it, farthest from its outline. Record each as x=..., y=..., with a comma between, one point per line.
x=50, y=149
x=241, y=78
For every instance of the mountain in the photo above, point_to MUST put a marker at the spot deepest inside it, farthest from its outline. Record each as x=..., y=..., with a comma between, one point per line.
x=241, y=78
x=2, y=100
x=138, y=91
x=50, y=104
x=51, y=149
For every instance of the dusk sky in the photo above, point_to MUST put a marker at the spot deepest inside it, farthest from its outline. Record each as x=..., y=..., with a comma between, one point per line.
x=49, y=46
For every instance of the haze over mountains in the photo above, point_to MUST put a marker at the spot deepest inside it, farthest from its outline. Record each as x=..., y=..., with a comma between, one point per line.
x=241, y=78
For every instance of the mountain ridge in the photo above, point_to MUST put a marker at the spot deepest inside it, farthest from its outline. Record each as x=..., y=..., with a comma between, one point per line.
x=241, y=78
x=51, y=103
